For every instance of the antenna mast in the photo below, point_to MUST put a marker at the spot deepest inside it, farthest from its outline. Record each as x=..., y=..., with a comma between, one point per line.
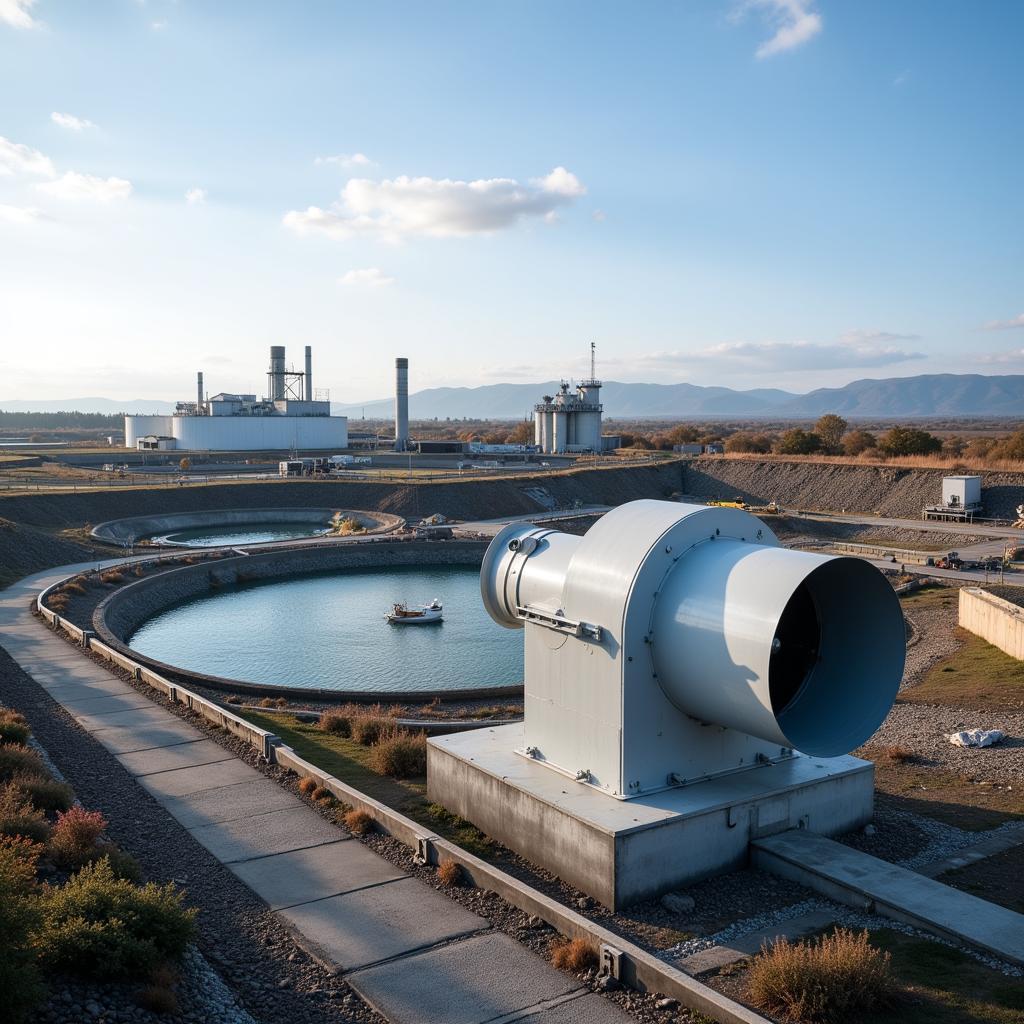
x=593, y=375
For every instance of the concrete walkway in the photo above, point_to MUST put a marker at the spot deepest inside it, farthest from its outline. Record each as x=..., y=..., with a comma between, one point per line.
x=408, y=950
x=864, y=881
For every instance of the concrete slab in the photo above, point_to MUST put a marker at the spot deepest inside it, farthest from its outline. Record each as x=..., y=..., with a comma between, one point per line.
x=165, y=732
x=101, y=717
x=371, y=925
x=265, y=834
x=186, y=781
x=131, y=718
x=70, y=691
x=300, y=876
x=256, y=795
x=744, y=946
x=987, y=846
x=105, y=704
x=182, y=755
x=586, y=1009
x=864, y=881
x=466, y=982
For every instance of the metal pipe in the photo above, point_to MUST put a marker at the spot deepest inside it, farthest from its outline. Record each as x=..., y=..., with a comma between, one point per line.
x=199, y=391
x=309, y=373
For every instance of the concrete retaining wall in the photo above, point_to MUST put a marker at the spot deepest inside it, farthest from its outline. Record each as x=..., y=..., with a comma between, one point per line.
x=134, y=528
x=999, y=622
x=120, y=614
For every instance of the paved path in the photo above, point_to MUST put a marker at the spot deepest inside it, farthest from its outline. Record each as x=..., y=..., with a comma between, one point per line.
x=862, y=880
x=408, y=950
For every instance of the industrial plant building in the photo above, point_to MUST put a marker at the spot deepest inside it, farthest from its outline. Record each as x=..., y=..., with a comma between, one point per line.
x=292, y=416
x=569, y=421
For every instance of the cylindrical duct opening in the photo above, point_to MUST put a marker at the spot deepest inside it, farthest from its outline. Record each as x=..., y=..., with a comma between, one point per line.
x=795, y=648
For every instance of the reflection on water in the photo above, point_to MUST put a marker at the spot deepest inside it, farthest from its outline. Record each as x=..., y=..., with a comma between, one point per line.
x=215, y=536
x=329, y=631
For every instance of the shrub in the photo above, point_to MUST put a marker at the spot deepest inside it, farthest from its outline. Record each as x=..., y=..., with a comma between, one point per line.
x=368, y=729
x=19, y=918
x=74, y=837
x=400, y=754
x=111, y=577
x=124, y=865
x=358, y=822
x=833, y=978
x=336, y=721
x=45, y=794
x=233, y=699
x=17, y=760
x=898, y=755
x=102, y=926
x=322, y=794
x=13, y=727
x=19, y=818
x=449, y=873
x=73, y=587
x=267, y=702
x=157, y=999
x=308, y=784
x=573, y=955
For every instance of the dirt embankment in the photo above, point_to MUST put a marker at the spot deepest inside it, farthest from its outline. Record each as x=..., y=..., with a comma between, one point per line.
x=831, y=487
x=30, y=542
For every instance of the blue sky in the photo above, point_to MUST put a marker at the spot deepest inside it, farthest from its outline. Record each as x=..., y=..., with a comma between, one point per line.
x=792, y=193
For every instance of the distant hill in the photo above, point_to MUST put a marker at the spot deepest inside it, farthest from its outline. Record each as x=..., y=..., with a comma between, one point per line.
x=937, y=394
x=107, y=406
x=942, y=394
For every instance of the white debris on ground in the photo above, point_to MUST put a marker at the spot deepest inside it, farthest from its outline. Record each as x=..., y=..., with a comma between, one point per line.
x=977, y=737
x=843, y=916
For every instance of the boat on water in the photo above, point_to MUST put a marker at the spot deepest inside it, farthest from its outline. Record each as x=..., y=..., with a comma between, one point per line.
x=402, y=615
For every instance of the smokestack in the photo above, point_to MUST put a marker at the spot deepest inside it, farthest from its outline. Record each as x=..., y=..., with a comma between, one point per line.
x=309, y=373
x=276, y=373
x=199, y=389
x=401, y=405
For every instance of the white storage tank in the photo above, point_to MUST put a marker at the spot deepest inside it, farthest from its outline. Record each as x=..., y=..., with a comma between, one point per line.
x=961, y=491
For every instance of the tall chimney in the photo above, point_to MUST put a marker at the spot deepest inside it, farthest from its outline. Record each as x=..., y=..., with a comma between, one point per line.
x=401, y=405
x=275, y=374
x=309, y=373
x=199, y=391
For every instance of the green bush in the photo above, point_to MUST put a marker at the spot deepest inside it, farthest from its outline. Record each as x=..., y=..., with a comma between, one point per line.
x=44, y=794
x=124, y=865
x=16, y=759
x=13, y=727
x=74, y=838
x=400, y=754
x=19, y=818
x=19, y=918
x=102, y=926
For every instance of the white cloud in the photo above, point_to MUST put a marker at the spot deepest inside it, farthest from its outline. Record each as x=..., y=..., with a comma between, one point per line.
x=795, y=22
x=1015, y=357
x=69, y=121
x=16, y=13
x=785, y=356
x=405, y=207
x=21, y=214
x=861, y=337
x=599, y=216
x=18, y=159
x=346, y=160
x=158, y=26
x=74, y=186
x=370, y=277
x=195, y=196
x=1005, y=325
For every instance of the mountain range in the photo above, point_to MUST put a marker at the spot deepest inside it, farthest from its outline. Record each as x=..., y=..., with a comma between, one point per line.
x=942, y=394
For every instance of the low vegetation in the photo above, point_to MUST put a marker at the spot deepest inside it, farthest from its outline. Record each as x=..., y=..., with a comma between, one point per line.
x=344, y=525
x=833, y=979
x=89, y=917
x=358, y=822
x=573, y=955
x=400, y=754
x=449, y=873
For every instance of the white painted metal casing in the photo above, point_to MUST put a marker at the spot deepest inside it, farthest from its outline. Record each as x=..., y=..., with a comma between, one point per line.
x=650, y=644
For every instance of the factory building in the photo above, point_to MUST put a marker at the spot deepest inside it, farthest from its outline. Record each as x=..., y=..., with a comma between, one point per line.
x=292, y=416
x=569, y=421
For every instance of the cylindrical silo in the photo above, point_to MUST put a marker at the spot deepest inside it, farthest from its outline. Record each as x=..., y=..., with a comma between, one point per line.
x=276, y=373
x=401, y=404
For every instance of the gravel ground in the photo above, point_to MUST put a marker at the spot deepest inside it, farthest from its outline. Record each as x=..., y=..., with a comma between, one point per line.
x=268, y=975
x=925, y=728
x=933, y=628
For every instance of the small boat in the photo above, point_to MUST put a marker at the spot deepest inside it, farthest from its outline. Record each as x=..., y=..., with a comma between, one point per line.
x=401, y=615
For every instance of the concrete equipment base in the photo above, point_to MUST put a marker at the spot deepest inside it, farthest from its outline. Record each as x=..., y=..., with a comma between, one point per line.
x=621, y=852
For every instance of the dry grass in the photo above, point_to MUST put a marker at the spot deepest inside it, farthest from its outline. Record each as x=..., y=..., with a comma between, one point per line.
x=337, y=721
x=897, y=754
x=358, y=822
x=111, y=576
x=19, y=818
x=234, y=699
x=400, y=754
x=449, y=873
x=368, y=729
x=43, y=793
x=73, y=587
x=13, y=727
x=307, y=785
x=573, y=955
x=321, y=794
x=273, y=702
x=948, y=463
x=834, y=978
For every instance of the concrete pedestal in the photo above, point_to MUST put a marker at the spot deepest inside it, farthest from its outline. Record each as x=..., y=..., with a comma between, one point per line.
x=624, y=851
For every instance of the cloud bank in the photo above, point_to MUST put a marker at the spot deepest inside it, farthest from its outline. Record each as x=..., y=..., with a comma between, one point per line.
x=400, y=208
x=74, y=186
x=16, y=13
x=795, y=22
x=72, y=123
x=370, y=277
x=1005, y=325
